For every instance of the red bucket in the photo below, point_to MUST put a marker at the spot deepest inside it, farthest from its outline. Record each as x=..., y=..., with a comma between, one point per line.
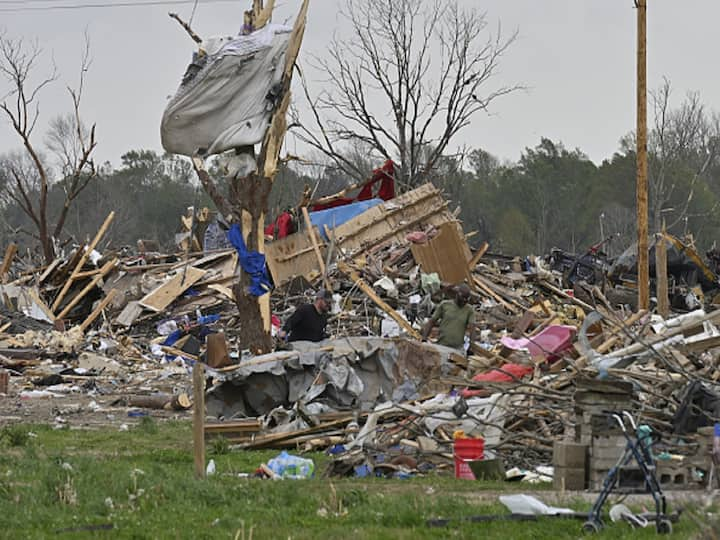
x=467, y=450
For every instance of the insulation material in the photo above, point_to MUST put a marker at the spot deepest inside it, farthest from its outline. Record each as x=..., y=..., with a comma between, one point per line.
x=228, y=94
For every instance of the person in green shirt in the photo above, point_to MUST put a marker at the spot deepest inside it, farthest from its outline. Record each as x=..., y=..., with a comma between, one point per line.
x=454, y=318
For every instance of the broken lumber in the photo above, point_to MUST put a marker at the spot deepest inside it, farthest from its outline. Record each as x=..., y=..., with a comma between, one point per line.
x=105, y=269
x=368, y=290
x=83, y=259
x=7, y=261
x=316, y=247
x=163, y=296
x=663, y=301
x=98, y=310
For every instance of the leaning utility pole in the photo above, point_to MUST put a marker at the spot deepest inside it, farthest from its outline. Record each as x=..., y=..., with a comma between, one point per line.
x=643, y=271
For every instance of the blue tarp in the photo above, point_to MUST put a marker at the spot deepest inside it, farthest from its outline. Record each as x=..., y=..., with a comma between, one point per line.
x=251, y=262
x=334, y=217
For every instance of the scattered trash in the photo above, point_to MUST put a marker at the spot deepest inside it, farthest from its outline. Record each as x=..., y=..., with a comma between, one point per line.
x=291, y=467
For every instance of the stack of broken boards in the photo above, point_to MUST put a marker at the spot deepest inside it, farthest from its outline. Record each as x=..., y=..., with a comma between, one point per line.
x=134, y=289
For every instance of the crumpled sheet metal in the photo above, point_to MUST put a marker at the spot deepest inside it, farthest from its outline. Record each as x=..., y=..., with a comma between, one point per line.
x=347, y=373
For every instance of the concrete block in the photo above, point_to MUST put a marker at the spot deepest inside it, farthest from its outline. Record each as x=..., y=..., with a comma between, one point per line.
x=611, y=453
x=569, y=478
x=569, y=455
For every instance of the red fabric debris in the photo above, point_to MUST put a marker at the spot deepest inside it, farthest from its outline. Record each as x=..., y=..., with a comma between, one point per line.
x=283, y=225
x=506, y=373
x=385, y=175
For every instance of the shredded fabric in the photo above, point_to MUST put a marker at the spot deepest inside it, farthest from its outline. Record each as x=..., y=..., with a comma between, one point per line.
x=251, y=262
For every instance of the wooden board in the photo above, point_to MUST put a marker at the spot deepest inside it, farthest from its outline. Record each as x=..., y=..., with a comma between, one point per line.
x=292, y=256
x=163, y=296
x=445, y=254
x=217, y=351
x=128, y=315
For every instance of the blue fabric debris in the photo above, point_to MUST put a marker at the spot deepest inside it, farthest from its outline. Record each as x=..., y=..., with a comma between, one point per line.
x=334, y=217
x=172, y=338
x=252, y=262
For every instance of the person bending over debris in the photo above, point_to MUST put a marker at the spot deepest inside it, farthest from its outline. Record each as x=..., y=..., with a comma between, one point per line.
x=453, y=318
x=308, y=321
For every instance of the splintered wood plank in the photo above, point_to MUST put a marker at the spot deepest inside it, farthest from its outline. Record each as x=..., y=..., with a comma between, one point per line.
x=83, y=258
x=98, y=310
x=163, y=296
x=7, y=260
x=76, y=299
x=225, y=291
x=316, y=247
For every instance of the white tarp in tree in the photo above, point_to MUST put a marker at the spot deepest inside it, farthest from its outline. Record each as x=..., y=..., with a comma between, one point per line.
x=228, y=93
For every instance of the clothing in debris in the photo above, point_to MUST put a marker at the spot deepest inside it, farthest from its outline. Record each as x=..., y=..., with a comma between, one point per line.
x=453, y=320
x=306, y=324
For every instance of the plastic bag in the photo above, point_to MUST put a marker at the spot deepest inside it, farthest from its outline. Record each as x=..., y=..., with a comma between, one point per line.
x=292, y=467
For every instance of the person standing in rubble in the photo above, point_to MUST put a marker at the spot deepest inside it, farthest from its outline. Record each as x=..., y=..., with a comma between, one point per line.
x=308, y=321
x=454, y=318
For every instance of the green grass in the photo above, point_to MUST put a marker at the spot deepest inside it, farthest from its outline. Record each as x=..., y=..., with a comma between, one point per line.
x=140, y=483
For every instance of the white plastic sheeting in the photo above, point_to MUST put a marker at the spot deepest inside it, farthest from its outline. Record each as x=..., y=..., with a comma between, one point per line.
x=229, y=101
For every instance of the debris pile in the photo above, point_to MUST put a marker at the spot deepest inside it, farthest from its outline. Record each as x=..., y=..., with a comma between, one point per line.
x=553, y=351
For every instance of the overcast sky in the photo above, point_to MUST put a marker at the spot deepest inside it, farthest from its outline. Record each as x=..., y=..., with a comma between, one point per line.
x=576, y=57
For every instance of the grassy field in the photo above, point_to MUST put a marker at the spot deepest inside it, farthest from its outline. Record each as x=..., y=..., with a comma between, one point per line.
x=139, y=484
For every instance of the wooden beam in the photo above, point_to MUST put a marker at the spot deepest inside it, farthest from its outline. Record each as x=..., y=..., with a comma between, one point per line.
x=98, y=310
x=661, y=276
x=275, y=135
x=199, y=420
x=478, y=255
x=316, y=247
x=105, y=269
x=368, y=290
x=262, y=15
x=83, y=259
x=10, y=252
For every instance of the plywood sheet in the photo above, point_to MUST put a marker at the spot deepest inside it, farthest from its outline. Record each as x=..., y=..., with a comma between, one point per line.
x=447, y=254
x=293, y=256
x=163, y=296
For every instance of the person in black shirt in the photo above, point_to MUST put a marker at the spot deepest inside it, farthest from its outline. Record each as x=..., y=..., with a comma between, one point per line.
x=308, y=321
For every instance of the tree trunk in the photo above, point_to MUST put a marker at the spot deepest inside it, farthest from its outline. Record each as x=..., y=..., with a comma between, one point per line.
x=248, y=198
x=46, y=242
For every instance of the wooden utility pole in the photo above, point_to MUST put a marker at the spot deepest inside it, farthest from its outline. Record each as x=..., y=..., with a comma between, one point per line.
x=198, y=377
x=643, y=271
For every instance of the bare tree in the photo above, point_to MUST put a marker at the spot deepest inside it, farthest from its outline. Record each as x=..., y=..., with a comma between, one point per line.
x=684, y=142
x=68, y=141
x=408, y=77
